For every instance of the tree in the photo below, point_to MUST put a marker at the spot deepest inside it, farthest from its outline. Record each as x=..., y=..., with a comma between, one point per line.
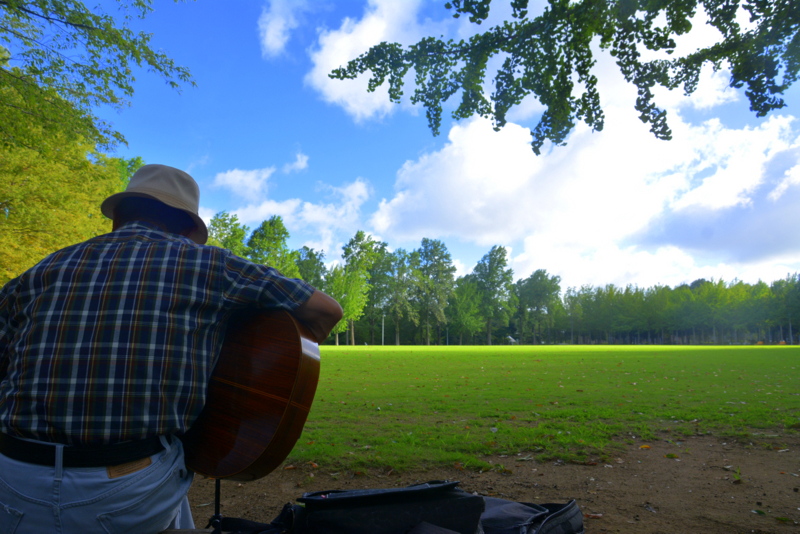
x=573, y=304
x=226, y=231
x=60, y=60
x=710, y=301
x=736, y=307
x=312, y=268
x=267, y=246
x=359, y=255
x=654, y=309
x=787, y=303
x=758, y=312
x=551, y=56
x=495, y=281
x=380, y=281
x=537, y=297
x=339, y=287
x=434, y=272
x=463, y=310
x=401, y=284
x=47, y=203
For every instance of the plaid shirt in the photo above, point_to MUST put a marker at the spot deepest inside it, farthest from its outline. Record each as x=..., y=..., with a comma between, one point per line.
x=115, y=338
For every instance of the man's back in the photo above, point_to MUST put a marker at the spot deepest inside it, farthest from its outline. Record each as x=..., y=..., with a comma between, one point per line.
x=121, y=329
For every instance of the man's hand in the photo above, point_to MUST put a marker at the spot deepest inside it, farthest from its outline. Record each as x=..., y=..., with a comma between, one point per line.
x=320, y=314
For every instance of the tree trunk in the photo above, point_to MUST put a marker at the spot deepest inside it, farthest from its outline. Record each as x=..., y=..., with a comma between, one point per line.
x=351, y=323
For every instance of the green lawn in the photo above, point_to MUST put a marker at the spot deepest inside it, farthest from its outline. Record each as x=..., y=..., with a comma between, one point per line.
x=407, y=407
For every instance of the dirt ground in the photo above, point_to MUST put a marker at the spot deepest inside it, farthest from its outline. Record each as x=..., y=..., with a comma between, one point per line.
x=697, y=485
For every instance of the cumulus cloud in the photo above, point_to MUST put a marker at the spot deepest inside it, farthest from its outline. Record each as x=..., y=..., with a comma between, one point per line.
x=326, y=222
x=300, y=163
x=253, y=214
x=331, y=221
x=275, y=24
x=787, y=167
x=383, y=20
x=729, y=163
x=612, y=206
x=459, y=190
x=244, y=183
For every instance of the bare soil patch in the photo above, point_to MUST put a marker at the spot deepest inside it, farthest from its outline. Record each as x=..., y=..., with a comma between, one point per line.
x=698, y=484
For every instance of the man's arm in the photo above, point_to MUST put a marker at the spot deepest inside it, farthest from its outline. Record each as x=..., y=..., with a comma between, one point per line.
x=320, y=313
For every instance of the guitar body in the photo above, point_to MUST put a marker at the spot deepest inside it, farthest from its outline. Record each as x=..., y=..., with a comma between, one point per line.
x=258, y=398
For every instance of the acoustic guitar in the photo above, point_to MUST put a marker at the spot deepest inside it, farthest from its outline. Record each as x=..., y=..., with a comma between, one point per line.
x=258, y=398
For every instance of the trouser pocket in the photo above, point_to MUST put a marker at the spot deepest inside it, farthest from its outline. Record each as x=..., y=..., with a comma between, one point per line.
x=151, y=512
x=9, y=519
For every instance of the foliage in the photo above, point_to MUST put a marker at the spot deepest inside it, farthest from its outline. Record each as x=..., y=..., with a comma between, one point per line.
x=463, y=310
x=267, y=246
x=417, y=293
x=349, y=284
x=312, y=268
x=49, y=202
x=380, y=290
x=226, y=231
x=400, y=284
x=60, y=60
x=434, y=276
x=495, y=281
x=552, y=56
x=538, y=296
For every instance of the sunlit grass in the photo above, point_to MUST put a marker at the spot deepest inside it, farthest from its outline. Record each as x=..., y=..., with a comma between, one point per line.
x=410, y=407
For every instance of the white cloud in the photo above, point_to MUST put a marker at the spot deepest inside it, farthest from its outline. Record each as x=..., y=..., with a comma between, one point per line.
x=253, y=214
x=325, y=222
x=605, y=264
x=735, y=158
x=579, y=210
x=471, y=187
x=300, y=163
x=275, y=24
x=244, y=183
x=790, y=177
x=198, y=163
x=383, y=20
x=206, y=214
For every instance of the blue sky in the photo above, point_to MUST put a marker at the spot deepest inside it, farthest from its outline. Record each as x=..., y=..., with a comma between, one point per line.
x=266, y=132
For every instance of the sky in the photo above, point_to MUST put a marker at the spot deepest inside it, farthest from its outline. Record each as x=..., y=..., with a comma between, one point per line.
x=266, y=132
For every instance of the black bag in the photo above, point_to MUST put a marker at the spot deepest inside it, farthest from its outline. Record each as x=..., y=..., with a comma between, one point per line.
x=389, y=511
x=436, y=507
x=509, y=517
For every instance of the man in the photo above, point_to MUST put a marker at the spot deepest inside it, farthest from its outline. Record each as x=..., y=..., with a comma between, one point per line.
x=106, y=350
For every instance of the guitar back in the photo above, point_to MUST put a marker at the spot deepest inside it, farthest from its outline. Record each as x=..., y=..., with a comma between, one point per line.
x=258, y=399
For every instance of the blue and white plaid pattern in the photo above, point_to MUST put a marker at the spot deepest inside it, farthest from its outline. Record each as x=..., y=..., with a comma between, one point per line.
x=114, y=339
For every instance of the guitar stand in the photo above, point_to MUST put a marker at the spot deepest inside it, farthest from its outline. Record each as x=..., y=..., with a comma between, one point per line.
x=216, y=520
x=280, y=525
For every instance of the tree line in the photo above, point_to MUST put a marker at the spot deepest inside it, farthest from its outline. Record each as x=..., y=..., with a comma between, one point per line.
x=414, y=297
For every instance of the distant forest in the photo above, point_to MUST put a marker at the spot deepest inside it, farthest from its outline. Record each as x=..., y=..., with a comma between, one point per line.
x=414, y=298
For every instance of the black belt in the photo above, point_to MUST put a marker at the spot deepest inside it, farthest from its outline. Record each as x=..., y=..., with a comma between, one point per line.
x=79, y=455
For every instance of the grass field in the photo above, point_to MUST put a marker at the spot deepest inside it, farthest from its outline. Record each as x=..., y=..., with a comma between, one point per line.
x=408, y=407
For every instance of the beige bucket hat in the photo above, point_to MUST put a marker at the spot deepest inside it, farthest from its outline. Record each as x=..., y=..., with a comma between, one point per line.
x=169, y=185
